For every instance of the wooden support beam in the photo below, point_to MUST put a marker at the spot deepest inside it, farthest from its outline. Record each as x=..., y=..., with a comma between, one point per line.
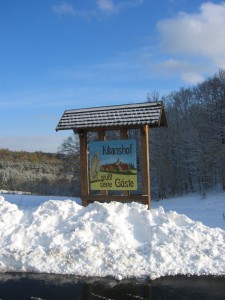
x=120, y=198
x=84, y=174
x=124, y=136
x=145, y=163
x=101, y=137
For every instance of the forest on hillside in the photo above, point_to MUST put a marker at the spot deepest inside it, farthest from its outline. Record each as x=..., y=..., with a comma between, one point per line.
x=38, y=173
x=188, y=156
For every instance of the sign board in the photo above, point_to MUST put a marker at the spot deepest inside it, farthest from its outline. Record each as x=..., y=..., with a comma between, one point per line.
x=113, y=165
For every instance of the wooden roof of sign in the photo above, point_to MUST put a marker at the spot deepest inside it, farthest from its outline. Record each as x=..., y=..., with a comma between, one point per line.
x=111, y=117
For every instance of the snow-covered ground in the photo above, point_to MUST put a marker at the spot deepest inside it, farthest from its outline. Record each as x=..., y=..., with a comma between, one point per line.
x=177, y=236
x=208, y=210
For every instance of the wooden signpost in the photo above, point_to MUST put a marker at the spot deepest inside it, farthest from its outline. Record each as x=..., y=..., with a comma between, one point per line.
x=107, y=166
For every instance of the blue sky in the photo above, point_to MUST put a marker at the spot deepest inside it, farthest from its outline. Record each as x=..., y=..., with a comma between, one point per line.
x=57, y=55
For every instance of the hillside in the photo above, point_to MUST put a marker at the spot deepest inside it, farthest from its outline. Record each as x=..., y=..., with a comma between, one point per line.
x=37, y=172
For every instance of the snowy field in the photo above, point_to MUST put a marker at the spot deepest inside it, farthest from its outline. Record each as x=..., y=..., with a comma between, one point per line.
x=177, y=236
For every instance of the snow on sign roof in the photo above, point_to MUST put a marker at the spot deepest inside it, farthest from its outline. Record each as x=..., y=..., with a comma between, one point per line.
x=130, y=115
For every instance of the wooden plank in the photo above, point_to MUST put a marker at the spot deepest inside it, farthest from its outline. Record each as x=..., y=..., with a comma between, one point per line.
x=101, y=137
x=120, y=198
x=145, y=162
x=84, y=174
x=124, y=136
x=162, y=117
x=111, y=128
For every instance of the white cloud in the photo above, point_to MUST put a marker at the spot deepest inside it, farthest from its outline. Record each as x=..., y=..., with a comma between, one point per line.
x=201, y=33
x=100, y=7
x=106, y=5
x=64, y=8
x=110, y=6
x=130, y=4
x=195, y=40
x=192, y=77
x=189, y=71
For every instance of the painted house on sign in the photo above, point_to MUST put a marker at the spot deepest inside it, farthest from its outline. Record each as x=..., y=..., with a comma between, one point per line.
x=111, y=165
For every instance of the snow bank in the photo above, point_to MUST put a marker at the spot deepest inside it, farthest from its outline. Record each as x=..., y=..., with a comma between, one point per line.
x=119, y=240
x=208, y=210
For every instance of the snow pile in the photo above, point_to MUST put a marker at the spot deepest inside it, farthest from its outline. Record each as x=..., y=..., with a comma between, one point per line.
x=208, y=210
x=119, y=240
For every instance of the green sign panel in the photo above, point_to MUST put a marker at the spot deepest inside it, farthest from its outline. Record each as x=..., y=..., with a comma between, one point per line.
x=113, y=165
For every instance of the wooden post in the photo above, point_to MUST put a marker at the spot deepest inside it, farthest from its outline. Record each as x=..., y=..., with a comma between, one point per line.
x=145, y=163
x=124, y=136
x=101, y=137
x=84, y=167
